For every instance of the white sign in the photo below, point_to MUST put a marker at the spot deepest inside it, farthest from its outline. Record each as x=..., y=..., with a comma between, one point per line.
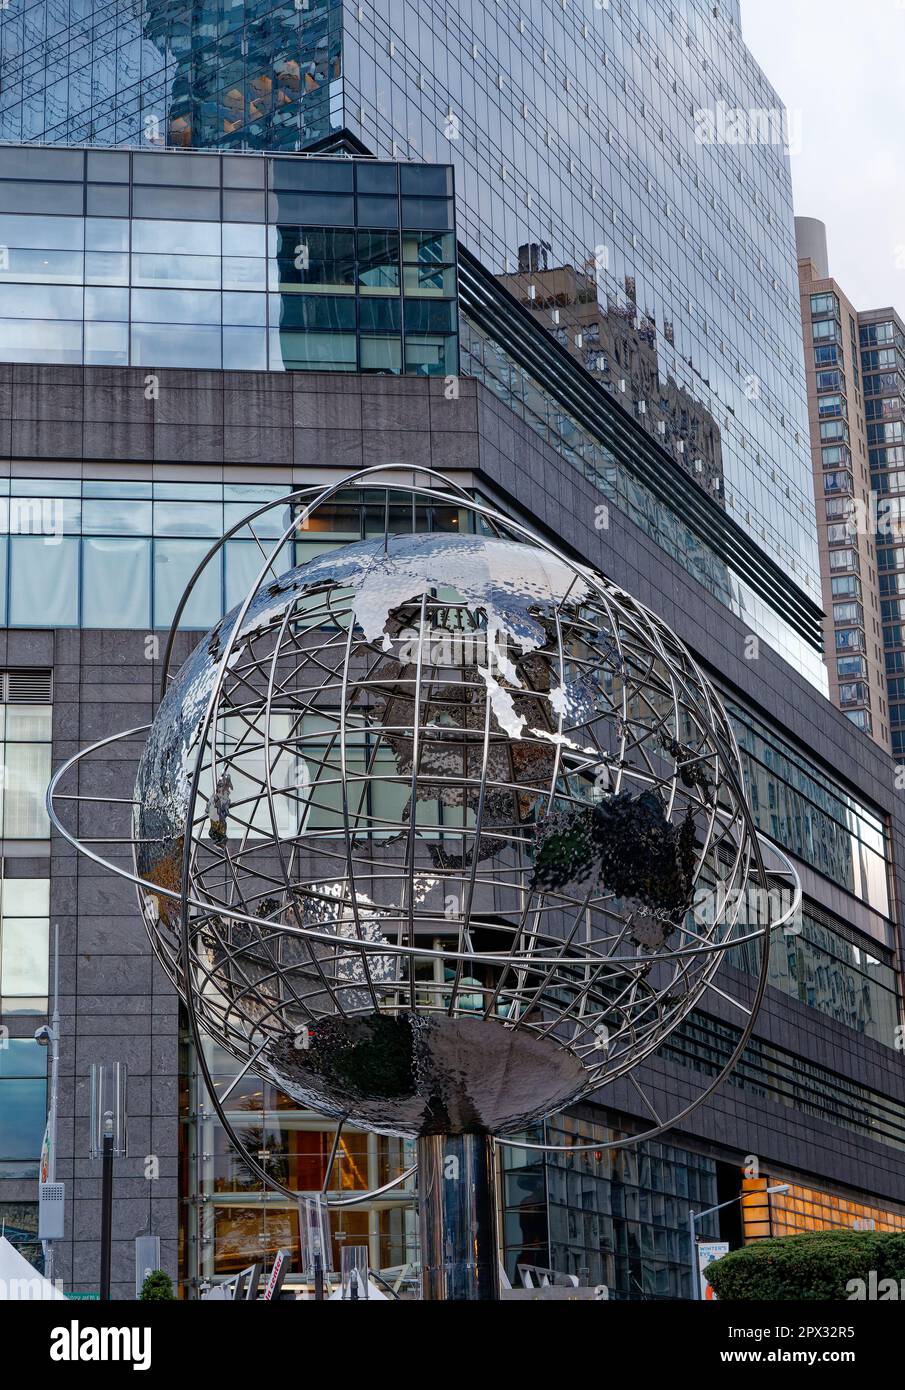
x=708, y=1251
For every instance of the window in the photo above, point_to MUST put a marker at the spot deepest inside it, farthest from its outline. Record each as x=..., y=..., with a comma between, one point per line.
x=847, y=666
x=116, y=582
x=26, y=733
x=807, y=811
x=138, y=541
x=844, y=559
x=873, y=333
x=24, y=947
x=828, y=406
x=109, y=291
x=879, y=357
x=848, y=613
x=829, y=966
x=320, y=259
x=824, y=304
x=823, y=329
x=849, y=639
x=846, y=586
x=378, y=262
x=175, y=561
x=23, y=1106
x=833, y=429
x=853, y=693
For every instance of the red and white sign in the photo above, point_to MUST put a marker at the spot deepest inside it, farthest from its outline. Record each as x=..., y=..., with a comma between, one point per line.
x=273, y=1282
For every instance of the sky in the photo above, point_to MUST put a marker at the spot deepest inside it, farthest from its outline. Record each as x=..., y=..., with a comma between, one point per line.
x=838, y=66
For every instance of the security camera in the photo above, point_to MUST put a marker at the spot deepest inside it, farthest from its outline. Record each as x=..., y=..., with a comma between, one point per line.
x=44, y=1035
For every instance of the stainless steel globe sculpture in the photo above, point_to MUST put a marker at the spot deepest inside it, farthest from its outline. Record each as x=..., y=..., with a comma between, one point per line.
x=439, y=832
x=434, y=816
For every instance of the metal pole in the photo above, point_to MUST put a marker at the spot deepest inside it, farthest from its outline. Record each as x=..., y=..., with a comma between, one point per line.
x=457, y=1218
x=107, y=1206
x=692, y=1237
x=54, y=1091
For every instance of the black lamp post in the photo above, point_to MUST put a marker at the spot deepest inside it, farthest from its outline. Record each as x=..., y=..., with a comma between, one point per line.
x=107, y=1205
x=108, y=1140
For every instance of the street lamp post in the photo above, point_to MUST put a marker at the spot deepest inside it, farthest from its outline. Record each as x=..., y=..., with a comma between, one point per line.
x=107, y=1206
x=695, y=1216
x=108, y=1140
x=49, y=1036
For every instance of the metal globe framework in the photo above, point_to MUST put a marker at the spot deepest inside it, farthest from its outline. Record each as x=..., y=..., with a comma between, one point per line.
x=441, y=831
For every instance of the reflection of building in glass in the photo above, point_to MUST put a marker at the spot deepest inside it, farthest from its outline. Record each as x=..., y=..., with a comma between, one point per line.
x=827, y=966
x=248, y=78
x=618, y=343
x=618, y=1218
x=811, y=815
x=160, y=72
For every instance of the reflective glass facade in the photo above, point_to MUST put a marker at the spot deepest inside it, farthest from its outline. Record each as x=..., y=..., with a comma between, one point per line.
x=261, y=74
x=624, y=170
x=532, y=399
x=241, y=262
x=831, y=968
x=118, y=553
x=613, y=1217
x=24, y=939
x=599, y=173
x=810, y=814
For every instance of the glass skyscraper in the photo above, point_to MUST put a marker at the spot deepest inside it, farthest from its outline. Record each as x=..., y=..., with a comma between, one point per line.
x=622, y=168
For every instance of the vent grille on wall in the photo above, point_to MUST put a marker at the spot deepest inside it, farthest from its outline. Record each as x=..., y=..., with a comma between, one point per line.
x=26, y=687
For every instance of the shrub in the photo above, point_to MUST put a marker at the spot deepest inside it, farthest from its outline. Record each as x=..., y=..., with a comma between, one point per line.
x=812, y=1267
x=157, y=1287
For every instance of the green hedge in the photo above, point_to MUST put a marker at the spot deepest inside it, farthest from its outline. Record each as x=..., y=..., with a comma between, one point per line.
x=815, y=1266
x=157, y=1288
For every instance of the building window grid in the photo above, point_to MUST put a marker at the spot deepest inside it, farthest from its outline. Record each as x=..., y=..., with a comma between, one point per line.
x=174, y=522
x=113, y=255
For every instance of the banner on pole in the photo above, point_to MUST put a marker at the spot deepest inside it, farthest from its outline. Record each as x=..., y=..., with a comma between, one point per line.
x=708, y=1251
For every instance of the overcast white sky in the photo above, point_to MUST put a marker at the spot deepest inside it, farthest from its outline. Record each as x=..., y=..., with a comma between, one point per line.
x=841, y=64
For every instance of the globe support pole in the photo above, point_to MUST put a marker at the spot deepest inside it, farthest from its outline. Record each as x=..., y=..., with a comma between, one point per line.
x=457, y=1218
